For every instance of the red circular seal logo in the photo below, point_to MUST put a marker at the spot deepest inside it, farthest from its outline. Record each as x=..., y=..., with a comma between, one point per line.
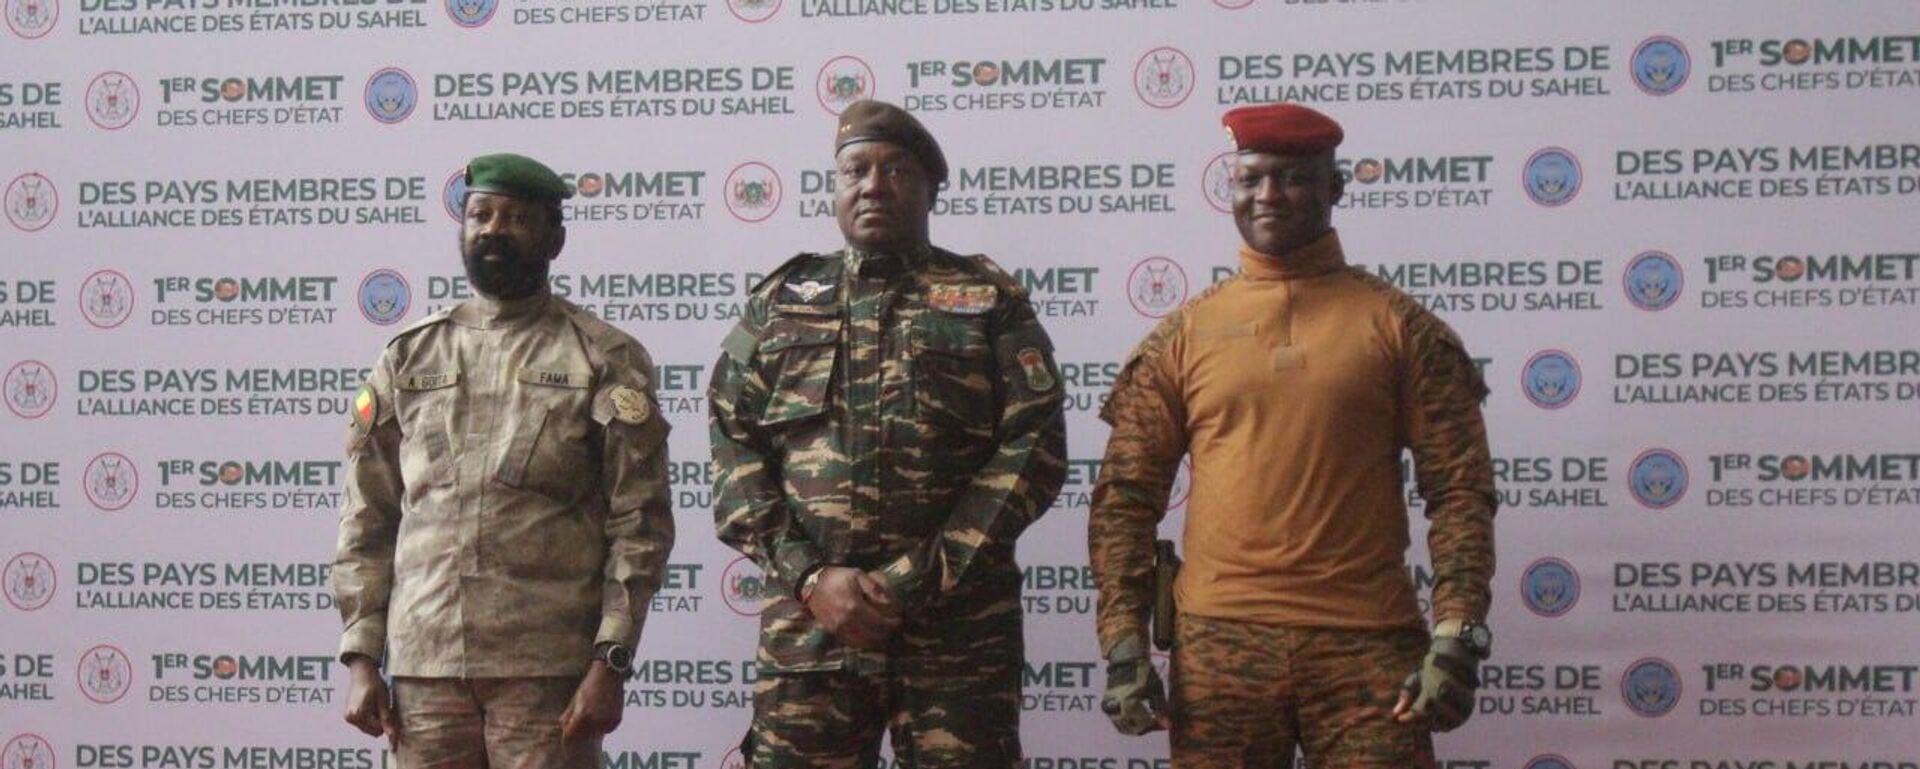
x=843, y=80
x=31, y=202
x=111, y=481
x=753, y=11
x=31, y=389
x=27, y=751
x=105, y=674
x=1164, y=77
x=1156, y=286
x=28, y=581
x=753, y=191
x=1216, y=182
x=744, y=588
x=32, y=20
x=113, y=100
x=106, y=298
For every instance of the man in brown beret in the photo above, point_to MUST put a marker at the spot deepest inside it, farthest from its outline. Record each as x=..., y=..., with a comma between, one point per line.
x=886, y=421
x=1295, y=386
x=506, y=519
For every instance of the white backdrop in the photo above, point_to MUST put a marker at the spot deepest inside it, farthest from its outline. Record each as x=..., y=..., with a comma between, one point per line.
x=1679, y=238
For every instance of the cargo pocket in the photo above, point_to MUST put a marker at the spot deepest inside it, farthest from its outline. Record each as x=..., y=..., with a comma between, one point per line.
x=797, y=358
x=549, y=451
x=424, y=406
x=954, y=372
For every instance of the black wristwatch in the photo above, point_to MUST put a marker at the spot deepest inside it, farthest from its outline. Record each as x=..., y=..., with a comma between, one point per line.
x=619, y=658
x=1478, y=637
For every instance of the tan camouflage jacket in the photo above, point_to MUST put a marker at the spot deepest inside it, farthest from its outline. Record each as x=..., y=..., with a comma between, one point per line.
x=506, y=497
x=900, y=414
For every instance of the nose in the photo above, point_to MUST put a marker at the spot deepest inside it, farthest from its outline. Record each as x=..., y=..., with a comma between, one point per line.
x=873, y=183
x=1268, y=190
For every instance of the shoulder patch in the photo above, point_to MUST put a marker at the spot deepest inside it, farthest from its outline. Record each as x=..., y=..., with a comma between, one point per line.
x=629, y=405
x=999, y=277
x=604, y=336
x=775, y=273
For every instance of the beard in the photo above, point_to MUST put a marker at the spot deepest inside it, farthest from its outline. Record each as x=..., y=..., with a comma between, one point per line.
x=513, y=275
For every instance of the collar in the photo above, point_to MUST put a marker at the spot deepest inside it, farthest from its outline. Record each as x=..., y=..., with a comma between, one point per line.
x=882, y=263
x=1309, y=261
x=486, y=312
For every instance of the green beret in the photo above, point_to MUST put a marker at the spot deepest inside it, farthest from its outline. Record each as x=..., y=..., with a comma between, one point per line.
x=877, y=121
x=516, y=175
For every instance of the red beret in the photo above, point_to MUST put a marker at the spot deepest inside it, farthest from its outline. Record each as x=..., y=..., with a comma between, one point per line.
x=1285, y=129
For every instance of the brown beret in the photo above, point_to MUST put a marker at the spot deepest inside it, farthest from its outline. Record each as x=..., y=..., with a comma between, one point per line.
x=877, y=121
x=1284, y=129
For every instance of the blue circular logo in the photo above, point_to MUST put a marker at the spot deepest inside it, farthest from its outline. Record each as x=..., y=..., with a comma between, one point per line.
x=1660, y=65
x=1551, y=176
x=472, y=13
x=1550, y=587
x=1551, y=378
x=391, y=95
x=1657, y=478
x=1549, y=761
x=454, y=195
x=1653, y=280
x=1651, y=687
x=385, y=297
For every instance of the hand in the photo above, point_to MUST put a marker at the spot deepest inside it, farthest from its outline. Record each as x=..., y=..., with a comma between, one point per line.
x=596, y=707
x=369, y=705
x=1136, y=700
x=1441, y=691
x=854, y=607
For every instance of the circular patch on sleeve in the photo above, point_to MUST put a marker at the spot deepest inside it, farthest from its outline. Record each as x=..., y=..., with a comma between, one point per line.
x=629, y=405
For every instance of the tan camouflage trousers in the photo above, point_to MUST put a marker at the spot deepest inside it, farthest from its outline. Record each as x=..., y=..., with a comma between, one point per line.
x=834, y=719
x=1247, y=695
x=488, y=723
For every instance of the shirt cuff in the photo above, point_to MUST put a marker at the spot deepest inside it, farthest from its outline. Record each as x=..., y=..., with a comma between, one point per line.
x=621, y=629
x=366, y=637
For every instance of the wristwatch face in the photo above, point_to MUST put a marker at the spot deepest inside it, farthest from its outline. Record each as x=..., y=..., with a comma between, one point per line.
x=1478, y=636
x=618, y=658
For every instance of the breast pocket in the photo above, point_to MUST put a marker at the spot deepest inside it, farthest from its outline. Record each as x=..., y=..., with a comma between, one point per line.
x=424, y=406
x=796, y=356
x=551, y=451
x=954, y=373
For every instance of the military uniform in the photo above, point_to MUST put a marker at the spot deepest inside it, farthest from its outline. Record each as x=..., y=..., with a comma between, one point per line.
x=1295, y=386
x=506, y=509
x=901, y=414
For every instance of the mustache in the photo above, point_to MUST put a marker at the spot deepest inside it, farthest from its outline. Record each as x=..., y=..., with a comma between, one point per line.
x=498, y=246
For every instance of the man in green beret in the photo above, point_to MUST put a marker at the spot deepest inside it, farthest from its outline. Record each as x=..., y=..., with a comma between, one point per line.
x=506, y=519
x=886, y=421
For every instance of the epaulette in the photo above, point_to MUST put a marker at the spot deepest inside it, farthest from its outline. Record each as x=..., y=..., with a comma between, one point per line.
x=604, y=336
x=776, y=272
x=997, y=276
x=434, y=318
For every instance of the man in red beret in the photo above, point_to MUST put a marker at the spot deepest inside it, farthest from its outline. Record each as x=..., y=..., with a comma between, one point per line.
x=1295, y=386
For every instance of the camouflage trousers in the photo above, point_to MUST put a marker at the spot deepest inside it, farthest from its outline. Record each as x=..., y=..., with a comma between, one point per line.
x=834, y=719
x=487, y=723
x=1247, y=695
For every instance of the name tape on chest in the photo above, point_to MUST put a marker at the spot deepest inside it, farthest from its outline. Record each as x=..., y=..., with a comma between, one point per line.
x=576, y=379
x=433, y=381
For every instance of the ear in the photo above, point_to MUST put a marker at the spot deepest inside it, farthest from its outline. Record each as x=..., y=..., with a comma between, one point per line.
x=559, y=241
